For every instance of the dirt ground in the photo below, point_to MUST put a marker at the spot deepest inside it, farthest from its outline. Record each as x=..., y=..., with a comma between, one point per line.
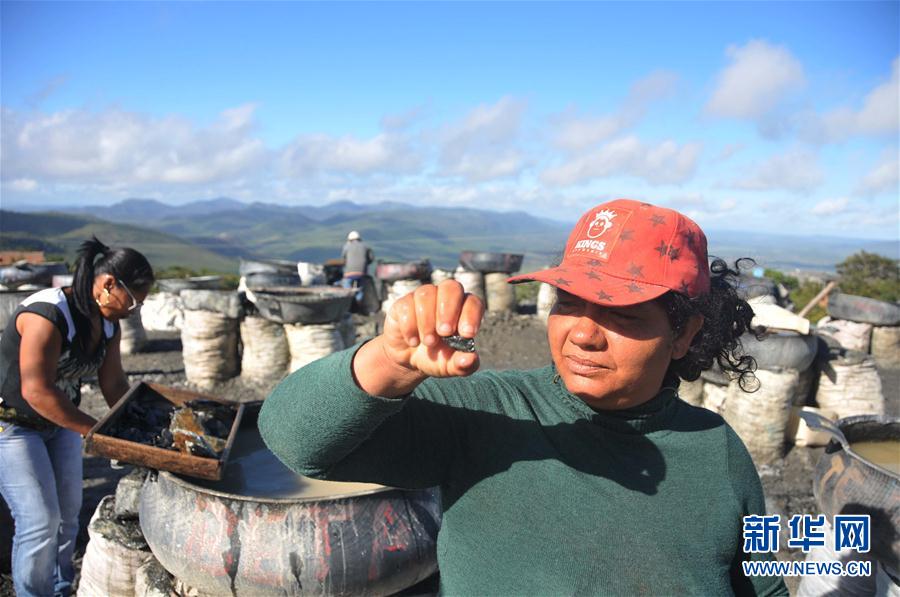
x=506, y=341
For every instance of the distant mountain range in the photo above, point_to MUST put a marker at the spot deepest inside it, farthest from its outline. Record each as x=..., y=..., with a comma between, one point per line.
x=212, y=234
x=396, y=231
x=139, y=211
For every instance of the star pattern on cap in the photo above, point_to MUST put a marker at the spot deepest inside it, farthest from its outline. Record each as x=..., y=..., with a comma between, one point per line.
x=657, y=220
x=662, y=249
x=594, y=263
x=562, y=282
x=674, y=252
x=634, y=288
x=593, y=276
x=626, y=235
x=602, y=296
x=685, y=289
x=689, y=238
x=636, y=270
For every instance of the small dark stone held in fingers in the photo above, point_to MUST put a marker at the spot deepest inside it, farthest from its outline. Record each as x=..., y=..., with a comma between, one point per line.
x=459, y=343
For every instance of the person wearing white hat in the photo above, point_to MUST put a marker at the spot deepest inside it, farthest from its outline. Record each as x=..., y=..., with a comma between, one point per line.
x=357, y=257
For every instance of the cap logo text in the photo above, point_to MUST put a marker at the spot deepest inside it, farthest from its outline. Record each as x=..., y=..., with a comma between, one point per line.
x=594, y=245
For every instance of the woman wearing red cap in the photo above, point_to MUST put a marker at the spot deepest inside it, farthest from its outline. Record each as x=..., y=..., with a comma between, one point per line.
x=588, y=476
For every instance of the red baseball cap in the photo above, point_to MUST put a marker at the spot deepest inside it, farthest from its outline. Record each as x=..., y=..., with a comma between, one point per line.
x=625, y=252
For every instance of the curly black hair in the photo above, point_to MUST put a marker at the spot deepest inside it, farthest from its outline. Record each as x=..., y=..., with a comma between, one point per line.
x=726, y=316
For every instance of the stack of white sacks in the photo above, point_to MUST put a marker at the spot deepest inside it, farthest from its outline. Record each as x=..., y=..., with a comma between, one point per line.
x=272, y=349
x=163, y=312
x=396, y=290
x=134, y=336
x=491, y=288
x=794, y=372
x=310, y=342
x=220, y=340
x=116, y=549
x=864, y=325
x=472, y=282
x=784, y=376
x=210, y=335
x=546, y=298
x=863, y=333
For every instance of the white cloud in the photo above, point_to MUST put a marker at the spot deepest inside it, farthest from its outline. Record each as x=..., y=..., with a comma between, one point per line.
x=865, y=215
x=698, y=206
x=573, y=132
x=729, y=151
x=885, y=218
x=728, y=205
x=879, y=115
x=402, y=120
x=482, y=145
x=482, y=166
x=884, y=177
x=794, y=170
x=25, y=185
x=686, y=200
x=492, y=123
x=759, y=77
x=121, y=148
x=663, y=163
x=830, y=207
x=654, y=87
x=312, y=154
x=495, y=195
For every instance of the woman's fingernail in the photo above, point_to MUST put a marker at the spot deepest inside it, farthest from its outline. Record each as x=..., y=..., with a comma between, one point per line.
x=413, y=341
x=430, y=339
x=445, y=329
x=465, y=328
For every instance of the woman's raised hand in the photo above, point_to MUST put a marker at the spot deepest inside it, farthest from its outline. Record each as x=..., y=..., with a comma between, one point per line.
x=417, y=323
x=411, y=348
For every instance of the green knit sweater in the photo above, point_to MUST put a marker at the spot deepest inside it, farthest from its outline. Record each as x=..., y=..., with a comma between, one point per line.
x=541, y=494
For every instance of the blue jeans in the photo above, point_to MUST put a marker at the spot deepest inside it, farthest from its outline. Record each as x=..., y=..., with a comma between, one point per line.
x=40, y=479
x=352, y=281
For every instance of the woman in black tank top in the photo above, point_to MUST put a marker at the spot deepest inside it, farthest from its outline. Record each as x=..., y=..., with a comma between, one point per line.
x=56, y=337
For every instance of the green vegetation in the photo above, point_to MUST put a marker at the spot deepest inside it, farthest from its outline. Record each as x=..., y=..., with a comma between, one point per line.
x=871, y=275
x=527, y=292
x=61, y=234
x=862, y=274
x=229, y=281
x=801, y=292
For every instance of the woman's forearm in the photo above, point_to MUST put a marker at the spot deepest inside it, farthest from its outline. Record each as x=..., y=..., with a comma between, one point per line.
x=54, y=406
x=113, y=392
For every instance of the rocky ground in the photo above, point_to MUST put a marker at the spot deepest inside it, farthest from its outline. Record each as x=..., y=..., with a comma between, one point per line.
x=507, y=341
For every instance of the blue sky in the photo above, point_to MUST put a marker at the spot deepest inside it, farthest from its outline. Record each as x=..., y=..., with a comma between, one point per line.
x=780, y=117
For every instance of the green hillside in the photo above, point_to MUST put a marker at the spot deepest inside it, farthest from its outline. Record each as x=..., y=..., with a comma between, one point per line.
x=394, y=234
x=220, y=231
x=62, y=233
